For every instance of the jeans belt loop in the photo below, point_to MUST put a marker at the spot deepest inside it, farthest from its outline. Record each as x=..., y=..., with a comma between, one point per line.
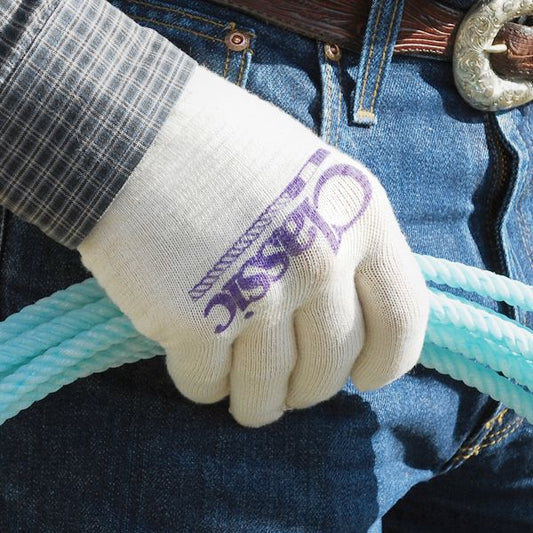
x=378, y=46
x=492, y=52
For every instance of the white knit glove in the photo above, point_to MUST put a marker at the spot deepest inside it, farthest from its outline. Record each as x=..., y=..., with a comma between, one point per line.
x=267, y=264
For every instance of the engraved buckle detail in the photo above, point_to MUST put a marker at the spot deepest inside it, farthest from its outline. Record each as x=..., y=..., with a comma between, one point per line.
x=475, y=79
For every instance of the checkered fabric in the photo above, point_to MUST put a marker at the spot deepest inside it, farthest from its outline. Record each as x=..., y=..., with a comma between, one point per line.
x=83, y=92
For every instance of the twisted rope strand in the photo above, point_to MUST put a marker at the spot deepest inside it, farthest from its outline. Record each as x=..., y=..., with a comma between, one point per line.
x=78, y=331
x=50, y=307
x=32, y=342
x=484, y=351
x=474, y=279
x=481, y=322
x=128, y=351
x=54, y=360
x=483, y=379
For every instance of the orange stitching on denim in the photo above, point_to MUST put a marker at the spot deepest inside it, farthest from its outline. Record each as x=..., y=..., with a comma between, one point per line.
x=176, y=26
x=475, y=450
x=226, y=64
x=380, y=69
x=370, y=53
x=241, y=70
x=174, y=10
x=232, y=27
x=516, y=422
x=328, y=100
x=490, y=426
x=498, y=418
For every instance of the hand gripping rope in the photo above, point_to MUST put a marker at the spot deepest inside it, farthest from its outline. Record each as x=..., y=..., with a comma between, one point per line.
x=79, y=331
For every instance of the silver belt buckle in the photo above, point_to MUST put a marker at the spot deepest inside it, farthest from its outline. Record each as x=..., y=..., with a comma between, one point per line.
x=475, y=79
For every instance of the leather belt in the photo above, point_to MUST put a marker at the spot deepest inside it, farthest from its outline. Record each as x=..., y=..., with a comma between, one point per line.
x=427, y=28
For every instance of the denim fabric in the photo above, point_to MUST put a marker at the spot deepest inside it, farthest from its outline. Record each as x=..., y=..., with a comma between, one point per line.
x=380, y=35
x=123, y=451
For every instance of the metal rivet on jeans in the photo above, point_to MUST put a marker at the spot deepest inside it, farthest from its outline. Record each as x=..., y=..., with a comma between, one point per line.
x=332, y=51
x=237, y=40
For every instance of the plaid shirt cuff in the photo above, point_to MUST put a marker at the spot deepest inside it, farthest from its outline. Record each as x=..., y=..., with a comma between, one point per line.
x=83, y=92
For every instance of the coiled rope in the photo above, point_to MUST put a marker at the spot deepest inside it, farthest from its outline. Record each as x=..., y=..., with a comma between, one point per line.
x=79, y=331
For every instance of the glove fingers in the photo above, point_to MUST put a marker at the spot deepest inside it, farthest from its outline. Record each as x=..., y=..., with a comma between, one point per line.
x=394, y=299
x=263, y=358
x=329, y=332
x=201, y=371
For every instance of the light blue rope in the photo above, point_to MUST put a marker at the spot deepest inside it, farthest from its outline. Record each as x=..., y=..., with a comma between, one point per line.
x=470, y=319
x=495, y=356
x=480, y=377
x=128, y=351
x=472, y=279
x=30, y=343
x=79, y=331
x=51, y=307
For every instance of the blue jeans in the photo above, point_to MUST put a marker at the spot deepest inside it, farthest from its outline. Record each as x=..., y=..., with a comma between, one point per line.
x=123, y=451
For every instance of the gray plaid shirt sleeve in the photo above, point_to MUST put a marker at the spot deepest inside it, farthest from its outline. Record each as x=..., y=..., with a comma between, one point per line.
x=83, y=92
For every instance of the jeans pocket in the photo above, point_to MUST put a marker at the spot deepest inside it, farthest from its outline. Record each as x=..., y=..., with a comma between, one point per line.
x=206, y=32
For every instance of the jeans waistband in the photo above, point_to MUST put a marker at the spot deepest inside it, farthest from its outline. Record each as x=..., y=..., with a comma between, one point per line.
x=426, y=27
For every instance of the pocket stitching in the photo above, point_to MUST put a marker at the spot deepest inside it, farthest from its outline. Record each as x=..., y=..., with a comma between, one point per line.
x=226, y=64
x=155, y=20
x=176, y=26
x=494, y=435
x=176, y=10
x=241, y=69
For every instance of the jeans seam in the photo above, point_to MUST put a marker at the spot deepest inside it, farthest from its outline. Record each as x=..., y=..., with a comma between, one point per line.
x=489, y=435
x=176, y=10
x=339, y=106
x=328, y=100
x=330, y=69
x=506, y=428
x=226, y=64
x=496, y=418
x=383, y=56
x=370, y=54
x=472, y=451
x=177, y=27
x=475, y=438
x=241, y=69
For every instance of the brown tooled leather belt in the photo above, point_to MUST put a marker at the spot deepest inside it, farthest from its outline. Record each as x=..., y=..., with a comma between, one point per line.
x=427, y=27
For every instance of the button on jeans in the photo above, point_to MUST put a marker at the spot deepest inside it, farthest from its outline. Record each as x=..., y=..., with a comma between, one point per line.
x=123, y=451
